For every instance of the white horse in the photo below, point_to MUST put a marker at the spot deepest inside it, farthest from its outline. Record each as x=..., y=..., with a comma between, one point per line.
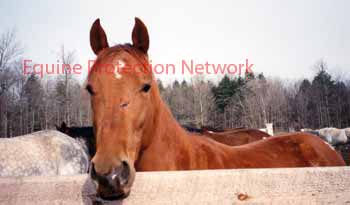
x=331, y=135
x=334, y=136
x=42, y=153
x=347, y=132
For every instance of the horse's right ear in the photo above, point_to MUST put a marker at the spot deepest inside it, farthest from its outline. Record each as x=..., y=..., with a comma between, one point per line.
x=98, y=38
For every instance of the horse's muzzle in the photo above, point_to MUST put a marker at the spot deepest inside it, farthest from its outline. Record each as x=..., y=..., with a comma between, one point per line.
x=114, y=185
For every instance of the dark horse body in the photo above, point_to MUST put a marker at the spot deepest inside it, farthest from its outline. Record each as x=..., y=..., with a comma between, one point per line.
x=202, y=129
x=84, y=135
x=135, y=130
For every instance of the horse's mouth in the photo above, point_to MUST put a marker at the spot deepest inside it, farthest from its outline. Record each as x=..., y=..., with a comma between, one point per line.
x=112, y=197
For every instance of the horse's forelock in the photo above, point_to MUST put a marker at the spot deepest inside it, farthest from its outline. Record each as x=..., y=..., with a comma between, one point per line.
x=141, y=57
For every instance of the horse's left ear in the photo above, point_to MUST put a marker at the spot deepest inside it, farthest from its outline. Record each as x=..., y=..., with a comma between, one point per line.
x=140, y=39
x=63, y=125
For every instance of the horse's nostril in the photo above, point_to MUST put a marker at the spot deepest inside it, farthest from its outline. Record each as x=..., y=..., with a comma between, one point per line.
x=124, y=173
x=113, y=185
x=114, y=181
x=125, y=163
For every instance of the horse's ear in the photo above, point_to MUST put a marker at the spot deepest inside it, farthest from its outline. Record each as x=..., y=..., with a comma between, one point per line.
x=140, y=39
x=98, y=38
x=63, y=125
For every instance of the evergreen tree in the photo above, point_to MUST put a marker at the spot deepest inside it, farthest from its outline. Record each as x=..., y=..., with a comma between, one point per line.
x=33, y=94
x=323, y=97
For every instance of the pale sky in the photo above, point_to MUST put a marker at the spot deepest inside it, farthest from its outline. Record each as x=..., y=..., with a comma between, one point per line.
x=281, y=38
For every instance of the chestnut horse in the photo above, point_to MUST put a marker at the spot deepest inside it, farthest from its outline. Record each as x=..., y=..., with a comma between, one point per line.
x=135, y=130
x=237, y=137
x=232, y=137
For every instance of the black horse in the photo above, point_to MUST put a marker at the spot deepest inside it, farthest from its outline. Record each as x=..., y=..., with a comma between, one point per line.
x=83, y=134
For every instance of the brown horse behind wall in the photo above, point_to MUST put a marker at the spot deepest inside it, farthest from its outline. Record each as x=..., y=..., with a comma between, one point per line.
x=135, y=131
x=237, y=137
x=232, y=137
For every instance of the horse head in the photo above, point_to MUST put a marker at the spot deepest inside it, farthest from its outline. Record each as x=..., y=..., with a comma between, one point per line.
x=121, y=86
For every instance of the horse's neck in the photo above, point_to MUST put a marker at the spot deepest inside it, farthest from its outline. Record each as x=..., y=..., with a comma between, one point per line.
x=167, y=146
x=163, y=138
x=164, y=125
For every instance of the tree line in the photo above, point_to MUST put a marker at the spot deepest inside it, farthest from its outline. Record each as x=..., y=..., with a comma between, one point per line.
x=29, y=103
x=252, y=101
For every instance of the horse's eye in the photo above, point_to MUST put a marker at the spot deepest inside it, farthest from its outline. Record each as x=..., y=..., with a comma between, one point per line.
x=90, y=90
x=146, y=88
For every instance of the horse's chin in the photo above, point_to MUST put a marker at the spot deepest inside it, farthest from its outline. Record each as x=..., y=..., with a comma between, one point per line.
x=111, y=194
x=115, y=196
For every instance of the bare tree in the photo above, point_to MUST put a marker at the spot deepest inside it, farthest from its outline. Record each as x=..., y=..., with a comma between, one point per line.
x=203, y=100
x=67, y=59
x=10, y=51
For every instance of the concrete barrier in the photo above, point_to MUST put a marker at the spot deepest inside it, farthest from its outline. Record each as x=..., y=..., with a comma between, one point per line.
x=242, y=186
